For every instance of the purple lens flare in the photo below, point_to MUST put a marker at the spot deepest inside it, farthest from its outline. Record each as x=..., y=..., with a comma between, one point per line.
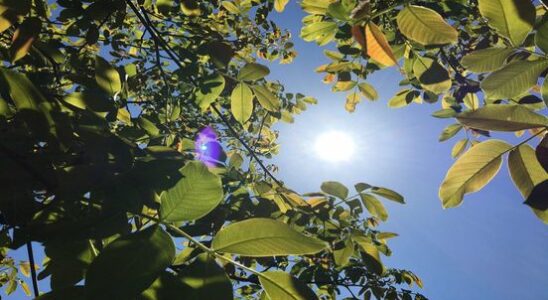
x=207, y=148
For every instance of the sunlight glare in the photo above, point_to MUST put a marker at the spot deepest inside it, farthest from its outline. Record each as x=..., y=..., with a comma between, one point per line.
x=334, y=146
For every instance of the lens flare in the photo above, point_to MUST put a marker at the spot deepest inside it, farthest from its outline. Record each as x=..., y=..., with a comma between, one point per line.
x=335, y=146
x=208, y=150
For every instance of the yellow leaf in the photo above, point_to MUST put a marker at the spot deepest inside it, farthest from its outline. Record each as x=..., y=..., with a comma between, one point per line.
x=377, y=46
x=351, y=101
x=279, y=5
x=25, y=288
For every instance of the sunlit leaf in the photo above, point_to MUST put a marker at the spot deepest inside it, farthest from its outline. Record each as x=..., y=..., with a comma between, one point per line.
x=281, y=285
x=264, y=237
x=472, y=171
x=196, y=194
x=342, y=256
x=425, y=26
x=351, y=101
x=321, y=32
x=513, y=19
x=541, y=37
x=209, y=90
x=525, y=170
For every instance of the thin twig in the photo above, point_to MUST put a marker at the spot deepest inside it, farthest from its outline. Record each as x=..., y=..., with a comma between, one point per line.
x=32, y=268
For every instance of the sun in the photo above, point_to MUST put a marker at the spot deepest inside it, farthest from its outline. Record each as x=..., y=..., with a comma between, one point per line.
x=334, y=146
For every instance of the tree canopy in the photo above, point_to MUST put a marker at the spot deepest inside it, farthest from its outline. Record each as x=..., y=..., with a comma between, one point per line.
x=135, y=136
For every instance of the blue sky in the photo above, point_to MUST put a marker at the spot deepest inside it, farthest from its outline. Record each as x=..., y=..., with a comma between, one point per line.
x=491, y=247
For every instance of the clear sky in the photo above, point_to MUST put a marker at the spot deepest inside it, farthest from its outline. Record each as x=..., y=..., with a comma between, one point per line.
x=491, y=247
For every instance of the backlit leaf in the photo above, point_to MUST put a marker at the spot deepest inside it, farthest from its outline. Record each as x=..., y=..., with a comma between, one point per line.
x=107, y=77
x=388, y=194
x=205, y=279
x=502, y=118
x=351, y=101
x=525, y=170
x=241, y=103
x=265, y=97
x=472, y=171
x=281, y=285
x=259, y=237
x=209, y=90
x=196, y=194
x=425, y=26
x=377, y=46
x=541, y=37
x=459, y=147
x=334, y=188
x=253, y=71
x=372, y=257
x=486, y=60
x=513, y=19
x=368, y=91
x=321, y=32
x=374, y=206
x=279, y=5
x=513, y=79
x=449, y=132
x=432, y=76
x=23, y=38
x=128, y=265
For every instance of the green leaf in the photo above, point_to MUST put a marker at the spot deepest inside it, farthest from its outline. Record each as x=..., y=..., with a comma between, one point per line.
x=130, y=264
x=444, y=113
x=252, y=72
x=432, y=76
x=148, y=126
x=513, y=79
x=449, y=132
x=472, y=171
x=342, y=256
x=371, y=257
x=388, y=194
x=368, y=91
x=24, y=37
x=71, y=293
x=471, y=101
x=209, y=90
x=501, y=117
x=459, y=147
x=513, y=19
x=321, y=32
x=241, y=103
x=403, y=98
x=167, y=286
x=318, y=7
x=205, y=279
x=280, y=285
x=334, y=188
x=107, y=77
x=259, y=237
x=544, y=91
x=541, y=37
x=374, y=206
x=196, y=194
x=265, y=97
x=525, y=169
x=425, y=26
x=279, y=5
x=486, y=60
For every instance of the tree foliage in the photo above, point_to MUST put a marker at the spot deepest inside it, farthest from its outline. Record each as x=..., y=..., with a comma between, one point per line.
x=134, y=134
